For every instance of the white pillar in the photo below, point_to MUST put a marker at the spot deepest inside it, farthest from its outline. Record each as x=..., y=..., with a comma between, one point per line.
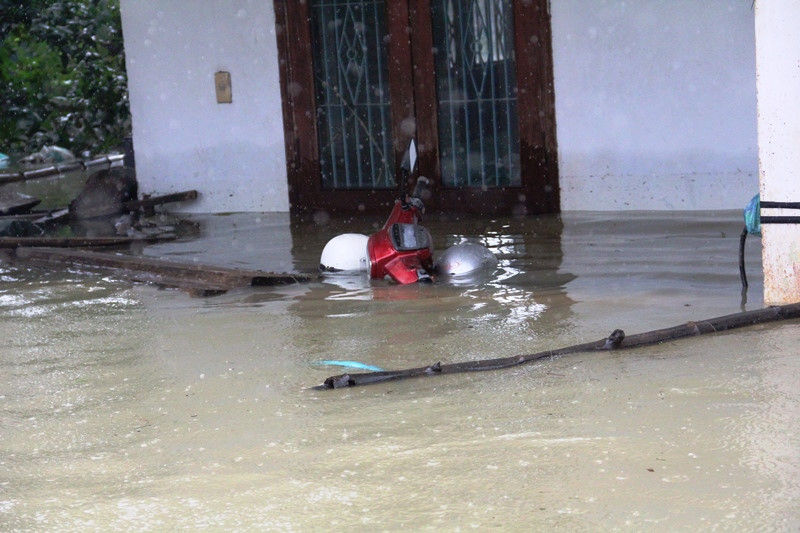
x=778, y=85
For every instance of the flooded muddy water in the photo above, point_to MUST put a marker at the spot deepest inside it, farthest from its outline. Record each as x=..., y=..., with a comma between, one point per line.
x=128, y=407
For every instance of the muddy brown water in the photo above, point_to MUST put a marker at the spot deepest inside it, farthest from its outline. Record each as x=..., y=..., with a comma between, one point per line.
x=128, y=407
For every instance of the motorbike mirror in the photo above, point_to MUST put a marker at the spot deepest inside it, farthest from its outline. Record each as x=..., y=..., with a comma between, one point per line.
x=410, y=158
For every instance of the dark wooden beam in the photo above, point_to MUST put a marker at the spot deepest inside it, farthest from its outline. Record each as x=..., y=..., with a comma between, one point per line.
x=425, y=102
x=401, y=89
x=296, y=69
x=536, y=105
x=202, y=280
x=152, y=201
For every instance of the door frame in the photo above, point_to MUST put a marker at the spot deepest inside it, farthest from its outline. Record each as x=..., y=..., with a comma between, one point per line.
x=415, y=96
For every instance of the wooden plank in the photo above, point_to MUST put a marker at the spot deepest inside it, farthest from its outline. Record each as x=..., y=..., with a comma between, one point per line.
x=203, y=280
x=183, y=196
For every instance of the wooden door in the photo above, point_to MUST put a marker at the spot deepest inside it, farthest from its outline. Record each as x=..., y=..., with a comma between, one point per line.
x=470, y=80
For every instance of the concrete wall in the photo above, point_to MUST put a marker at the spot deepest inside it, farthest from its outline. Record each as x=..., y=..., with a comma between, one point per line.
x=655, y=103
x=778, y=58
x=183, y=139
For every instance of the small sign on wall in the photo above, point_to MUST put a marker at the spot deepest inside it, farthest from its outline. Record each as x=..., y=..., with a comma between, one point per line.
x=222, y=83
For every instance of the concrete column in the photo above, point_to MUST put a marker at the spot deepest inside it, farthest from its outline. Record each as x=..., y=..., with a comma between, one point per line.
x=777, y=24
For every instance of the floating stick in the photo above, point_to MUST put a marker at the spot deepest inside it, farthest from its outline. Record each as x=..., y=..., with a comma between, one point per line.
x=616, y=341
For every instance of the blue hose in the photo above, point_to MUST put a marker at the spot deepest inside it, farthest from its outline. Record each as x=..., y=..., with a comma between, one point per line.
x=349, y=364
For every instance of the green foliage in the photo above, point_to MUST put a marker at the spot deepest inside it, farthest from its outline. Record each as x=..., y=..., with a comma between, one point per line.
x=62, y=75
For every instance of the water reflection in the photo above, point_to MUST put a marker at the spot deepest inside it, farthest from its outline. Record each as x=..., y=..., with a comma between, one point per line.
x=500, y=311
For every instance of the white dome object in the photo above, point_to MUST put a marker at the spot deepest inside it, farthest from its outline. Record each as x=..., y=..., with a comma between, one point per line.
x=464, y=258
x=346, y=252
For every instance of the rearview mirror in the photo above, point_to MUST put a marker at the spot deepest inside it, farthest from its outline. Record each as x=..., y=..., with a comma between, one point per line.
x=410, y=158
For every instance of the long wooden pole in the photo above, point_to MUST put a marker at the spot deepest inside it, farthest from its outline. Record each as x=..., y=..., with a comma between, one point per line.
x=616, y=341
x=45, y=172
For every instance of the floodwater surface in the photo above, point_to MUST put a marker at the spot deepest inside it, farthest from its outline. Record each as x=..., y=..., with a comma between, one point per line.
x=128, y=407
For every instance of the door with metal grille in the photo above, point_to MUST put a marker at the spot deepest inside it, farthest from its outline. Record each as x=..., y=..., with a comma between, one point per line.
x=476, y=93
x=471, y=80
x=352, y=94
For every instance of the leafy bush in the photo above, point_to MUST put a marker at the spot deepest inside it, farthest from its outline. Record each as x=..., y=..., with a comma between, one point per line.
x=62, y=75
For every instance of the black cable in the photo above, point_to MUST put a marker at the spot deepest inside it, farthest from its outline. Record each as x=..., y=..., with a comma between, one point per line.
x=780, y=220
x=765, y=220
x=780, y=205
x=742, y=273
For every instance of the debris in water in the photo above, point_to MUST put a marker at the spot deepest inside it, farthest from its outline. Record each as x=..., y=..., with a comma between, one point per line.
x=349, y=364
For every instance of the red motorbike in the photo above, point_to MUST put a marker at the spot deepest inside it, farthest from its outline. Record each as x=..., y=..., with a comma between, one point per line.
x=402, y=249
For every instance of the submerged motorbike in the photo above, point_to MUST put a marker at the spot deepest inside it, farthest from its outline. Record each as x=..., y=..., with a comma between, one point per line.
x=403, y=249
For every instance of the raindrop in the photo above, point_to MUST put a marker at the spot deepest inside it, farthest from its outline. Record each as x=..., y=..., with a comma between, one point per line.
x=408, y=126
x=294, y=88
x=321, y=218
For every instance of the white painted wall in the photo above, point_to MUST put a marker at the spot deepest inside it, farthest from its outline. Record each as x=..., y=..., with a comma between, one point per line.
x=655, y=103
x=183, y=139
x=778, y=60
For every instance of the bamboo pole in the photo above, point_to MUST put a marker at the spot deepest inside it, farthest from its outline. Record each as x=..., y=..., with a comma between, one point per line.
x=45, y=172
x=616, y=341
